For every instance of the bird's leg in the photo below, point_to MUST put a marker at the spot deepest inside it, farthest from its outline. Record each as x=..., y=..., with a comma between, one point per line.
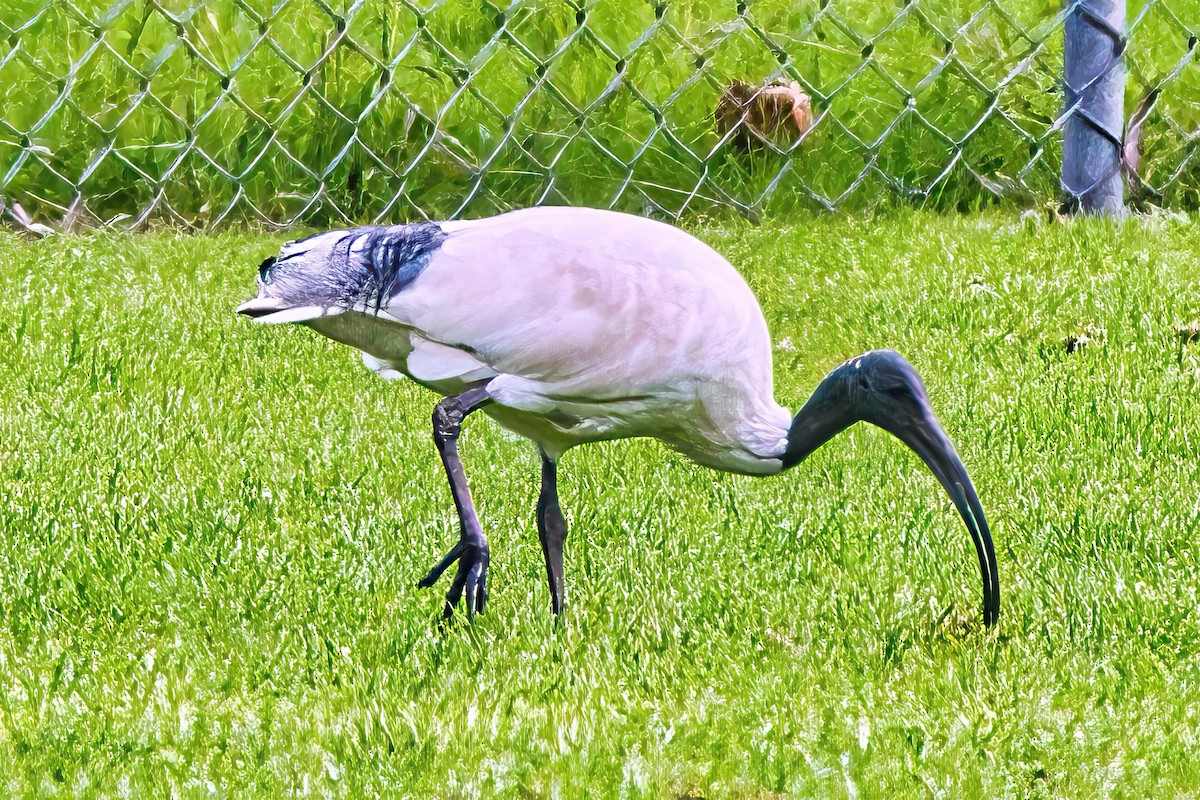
x=552, y=530
x=471, y=552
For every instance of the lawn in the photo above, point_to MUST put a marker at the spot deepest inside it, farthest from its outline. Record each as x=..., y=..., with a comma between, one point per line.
x=212, y=533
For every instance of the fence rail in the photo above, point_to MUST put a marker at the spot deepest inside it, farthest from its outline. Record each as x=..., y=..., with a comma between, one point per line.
x=313, y=111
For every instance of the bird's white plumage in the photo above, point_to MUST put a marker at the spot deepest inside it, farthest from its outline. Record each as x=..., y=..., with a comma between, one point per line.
x=587, y=325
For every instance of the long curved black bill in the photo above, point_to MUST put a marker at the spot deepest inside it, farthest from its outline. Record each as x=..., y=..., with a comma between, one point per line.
x=931, y=443
x=882, y=388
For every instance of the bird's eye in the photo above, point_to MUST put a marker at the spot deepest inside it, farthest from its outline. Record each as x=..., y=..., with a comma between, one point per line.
x=264, y=270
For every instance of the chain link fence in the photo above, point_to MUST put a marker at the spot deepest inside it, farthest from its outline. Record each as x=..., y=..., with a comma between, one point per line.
x=201, y=112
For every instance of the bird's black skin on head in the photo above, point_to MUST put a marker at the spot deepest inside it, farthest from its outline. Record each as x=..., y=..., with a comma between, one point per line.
x=882, y=388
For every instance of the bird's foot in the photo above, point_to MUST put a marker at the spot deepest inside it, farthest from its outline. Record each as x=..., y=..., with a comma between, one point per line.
x=470, y=578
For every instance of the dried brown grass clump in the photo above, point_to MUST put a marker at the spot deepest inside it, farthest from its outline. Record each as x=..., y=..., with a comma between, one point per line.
x=779, y=113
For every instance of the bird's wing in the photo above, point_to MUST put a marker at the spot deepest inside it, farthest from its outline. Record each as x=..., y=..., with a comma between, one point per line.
x=593, y=303
x=433, y=362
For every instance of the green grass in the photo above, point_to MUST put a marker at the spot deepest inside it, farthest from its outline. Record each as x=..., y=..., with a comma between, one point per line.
x=212, y=532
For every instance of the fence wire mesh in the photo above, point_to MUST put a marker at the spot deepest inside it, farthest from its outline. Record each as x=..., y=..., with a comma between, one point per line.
x=198, y=112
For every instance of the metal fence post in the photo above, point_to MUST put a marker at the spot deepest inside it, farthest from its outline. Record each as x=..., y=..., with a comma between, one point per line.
x=1094, y=74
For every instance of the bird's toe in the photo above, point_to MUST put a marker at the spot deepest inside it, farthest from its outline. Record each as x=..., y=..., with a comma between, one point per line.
x=476, y=579
x=470, y=578
x=434, y=574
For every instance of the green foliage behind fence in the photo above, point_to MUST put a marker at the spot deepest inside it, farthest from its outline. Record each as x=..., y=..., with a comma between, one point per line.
x=321, y=111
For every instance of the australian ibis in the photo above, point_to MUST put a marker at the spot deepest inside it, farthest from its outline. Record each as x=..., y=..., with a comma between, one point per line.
x=574, y=325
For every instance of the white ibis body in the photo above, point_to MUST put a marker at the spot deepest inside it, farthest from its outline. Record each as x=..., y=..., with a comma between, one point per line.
x=574, y=325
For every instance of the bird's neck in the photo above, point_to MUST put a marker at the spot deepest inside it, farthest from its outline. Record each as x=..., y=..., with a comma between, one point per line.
x=750, y=441
x=809, y=430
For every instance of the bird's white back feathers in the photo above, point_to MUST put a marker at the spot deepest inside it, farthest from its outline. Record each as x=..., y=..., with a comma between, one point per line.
x=596, y=306
x=585, y=325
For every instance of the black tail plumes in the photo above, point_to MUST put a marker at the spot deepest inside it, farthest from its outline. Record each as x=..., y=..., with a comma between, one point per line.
x=389, y=259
